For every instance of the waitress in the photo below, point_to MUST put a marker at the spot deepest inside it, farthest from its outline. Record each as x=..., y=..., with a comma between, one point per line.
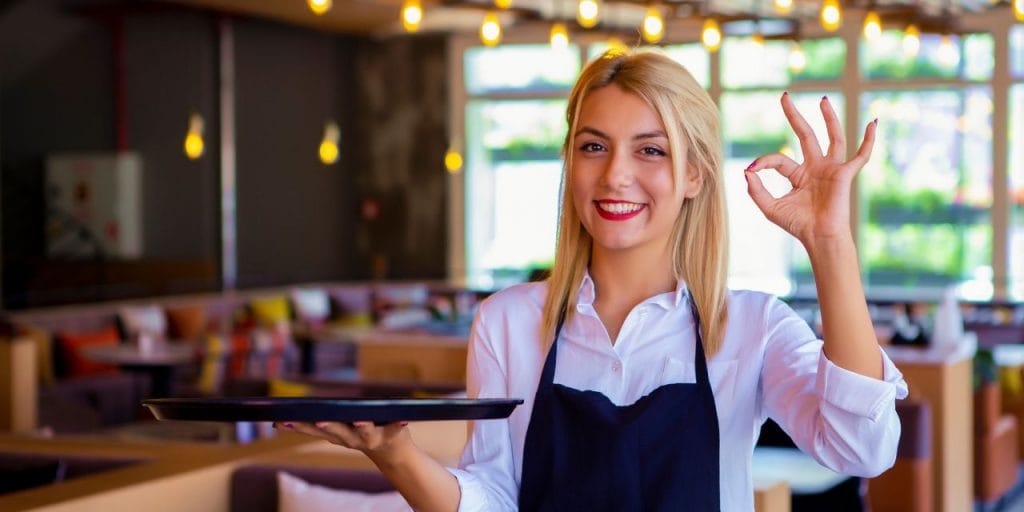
x=646, y=380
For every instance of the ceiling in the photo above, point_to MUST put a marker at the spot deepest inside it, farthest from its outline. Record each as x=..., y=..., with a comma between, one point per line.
x=381, y=17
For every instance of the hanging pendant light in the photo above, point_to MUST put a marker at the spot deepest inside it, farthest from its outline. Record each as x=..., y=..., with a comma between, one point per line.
x=319, y=7
x=872, y=26
x=559, y=36
x=194, y=144
x=654, y=25
x=911, y=41
x=1018, y=9
x=490, y=30
x=711, y=35
x=329, y=144
x=783, y=6
x=797, y=59
x=831, y=15
x=412, y=15
x=587, y=13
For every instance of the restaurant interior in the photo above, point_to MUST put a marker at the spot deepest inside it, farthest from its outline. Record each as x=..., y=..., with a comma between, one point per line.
x=310, y=198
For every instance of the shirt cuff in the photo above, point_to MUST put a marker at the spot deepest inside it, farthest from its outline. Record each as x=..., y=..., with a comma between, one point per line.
x=859, y=394
x=473, y=496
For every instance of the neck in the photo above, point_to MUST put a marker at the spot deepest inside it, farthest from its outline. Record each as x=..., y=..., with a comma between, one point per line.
x=626, y=278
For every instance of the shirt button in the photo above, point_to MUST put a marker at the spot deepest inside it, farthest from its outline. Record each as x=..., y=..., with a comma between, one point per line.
x=616, y=366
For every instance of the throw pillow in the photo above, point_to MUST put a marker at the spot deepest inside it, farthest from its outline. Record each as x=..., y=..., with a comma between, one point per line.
x=297, y=495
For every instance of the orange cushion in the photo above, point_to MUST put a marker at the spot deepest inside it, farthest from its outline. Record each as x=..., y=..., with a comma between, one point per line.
x=186, y=322
x=75, y=364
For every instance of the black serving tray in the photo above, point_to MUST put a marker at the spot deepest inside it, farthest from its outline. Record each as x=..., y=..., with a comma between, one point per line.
x=309, y=409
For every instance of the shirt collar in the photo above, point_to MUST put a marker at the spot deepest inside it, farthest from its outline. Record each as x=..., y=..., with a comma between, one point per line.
x=667, y=301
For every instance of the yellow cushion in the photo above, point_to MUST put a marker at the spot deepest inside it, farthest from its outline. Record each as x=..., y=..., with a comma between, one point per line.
x=283, y=387
x=270, y=311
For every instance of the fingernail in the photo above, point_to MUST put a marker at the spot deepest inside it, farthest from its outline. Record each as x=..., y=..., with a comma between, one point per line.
x=403, y=423
x=785, y=93
x=751, y=166
x=321, y=424
x=824, y=98
x=875, y=121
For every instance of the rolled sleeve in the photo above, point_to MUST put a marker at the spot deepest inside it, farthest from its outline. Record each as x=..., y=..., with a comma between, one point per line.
x=859, y=394
x=474, y=495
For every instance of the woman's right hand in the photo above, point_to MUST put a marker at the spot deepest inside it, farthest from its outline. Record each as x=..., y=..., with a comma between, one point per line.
x=381, y=443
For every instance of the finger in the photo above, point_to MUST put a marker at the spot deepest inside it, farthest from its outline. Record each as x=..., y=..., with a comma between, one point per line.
x=778, y=161
x=864, y=151
x=340, y=433
x=306, y=428
x=367, y=432
x=762, y=198
x=808, y=141
x=836, y=139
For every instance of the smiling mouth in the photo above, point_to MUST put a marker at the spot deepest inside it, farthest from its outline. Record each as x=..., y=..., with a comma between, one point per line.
x=618, y=210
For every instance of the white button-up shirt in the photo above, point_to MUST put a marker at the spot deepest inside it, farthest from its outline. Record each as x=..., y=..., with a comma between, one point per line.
x=770, y=364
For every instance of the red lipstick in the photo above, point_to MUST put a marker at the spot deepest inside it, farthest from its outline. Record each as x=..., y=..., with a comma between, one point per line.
x=607, y=215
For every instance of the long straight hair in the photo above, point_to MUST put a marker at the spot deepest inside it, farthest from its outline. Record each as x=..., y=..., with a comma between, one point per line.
x=699, y=238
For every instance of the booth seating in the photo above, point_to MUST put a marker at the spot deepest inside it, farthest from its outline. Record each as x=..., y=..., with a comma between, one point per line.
x=995, y=445
x=254, y=487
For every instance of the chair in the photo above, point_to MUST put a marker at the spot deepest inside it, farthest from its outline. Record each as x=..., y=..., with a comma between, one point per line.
x=907, y=486
x=995, y=445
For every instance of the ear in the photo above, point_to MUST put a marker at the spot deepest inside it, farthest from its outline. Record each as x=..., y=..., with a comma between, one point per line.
x=693, y=181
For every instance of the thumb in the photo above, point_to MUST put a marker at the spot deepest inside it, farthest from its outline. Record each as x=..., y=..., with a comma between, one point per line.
x=762, y=198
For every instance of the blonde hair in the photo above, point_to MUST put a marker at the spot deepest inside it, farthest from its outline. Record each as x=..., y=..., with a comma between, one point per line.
x=699, y=239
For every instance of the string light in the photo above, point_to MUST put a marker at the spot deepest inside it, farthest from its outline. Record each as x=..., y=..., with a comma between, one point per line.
x=872, y=26
x=947, y=53
x=319, y=7
x=587, y=13
x=559, y=36
x=490, y=30
x=831, y=15
x=194, y=138
x=329, y=146
x=711, y=35
x=783, y=6
x=911, y=40
x=412, y=15
x=654, y=26
x=453, y=161
x=797, y=58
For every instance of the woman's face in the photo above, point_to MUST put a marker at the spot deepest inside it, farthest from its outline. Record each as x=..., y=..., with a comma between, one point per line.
x=622, y=181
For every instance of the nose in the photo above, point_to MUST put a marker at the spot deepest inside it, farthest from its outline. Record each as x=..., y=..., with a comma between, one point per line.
x=618, y=172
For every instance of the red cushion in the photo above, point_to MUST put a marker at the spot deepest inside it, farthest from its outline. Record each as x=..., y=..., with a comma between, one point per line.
x=75, y=364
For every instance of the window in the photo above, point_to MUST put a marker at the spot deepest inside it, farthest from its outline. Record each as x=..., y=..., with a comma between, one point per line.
x=515, y=125
x=1015, y=164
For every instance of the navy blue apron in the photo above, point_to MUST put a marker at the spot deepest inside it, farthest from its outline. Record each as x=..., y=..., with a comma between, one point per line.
x=583, y=452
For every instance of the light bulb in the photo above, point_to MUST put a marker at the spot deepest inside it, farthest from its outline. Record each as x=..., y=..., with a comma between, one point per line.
x=194, y=144
x=831, y=15
x=654, y=26
x=329, y=145
x=783, y=6
x=559, y=36
x=503, y=4
x=710, y=35
x=319, y=7
x=1018, y=9
x=911, y=40
x=587, y=13
x=452, y=161
x=948, y=55
x=412, y=15
x=797, y=58
x=490, y=30
x=872, y=26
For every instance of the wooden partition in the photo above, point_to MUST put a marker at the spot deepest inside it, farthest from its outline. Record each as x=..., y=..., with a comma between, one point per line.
x=18, y=385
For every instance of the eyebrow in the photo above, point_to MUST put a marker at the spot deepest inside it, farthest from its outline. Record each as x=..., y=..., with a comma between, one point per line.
x=640, y=136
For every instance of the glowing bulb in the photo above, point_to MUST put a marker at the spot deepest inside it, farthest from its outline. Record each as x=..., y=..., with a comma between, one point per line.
x=452, y=161
x=654, y=27
x=710, y=35
x=615, y=45
x=587, y=13
x=329, y=146
x=1018, y=9
x=490, y=30
x=559, y=36
x=783, y=6
x=831, y=15
x=947, y=53
x=194, y=138
x=319, y=7
x=757, y=39
x=911, y=40
x=872, y=26
x=503, y=4
x=797, y=58
x=412, y=15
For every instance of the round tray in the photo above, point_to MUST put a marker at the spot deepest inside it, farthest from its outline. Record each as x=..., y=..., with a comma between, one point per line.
x=309, y=409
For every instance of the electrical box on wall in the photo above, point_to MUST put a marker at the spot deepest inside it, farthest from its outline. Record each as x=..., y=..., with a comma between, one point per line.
x=94, y=206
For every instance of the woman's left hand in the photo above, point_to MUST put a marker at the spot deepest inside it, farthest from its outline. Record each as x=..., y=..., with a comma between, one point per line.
x=817, y=209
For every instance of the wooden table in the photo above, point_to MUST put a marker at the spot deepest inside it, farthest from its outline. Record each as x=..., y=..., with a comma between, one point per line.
x=944, y=379
x=411, y=355
x=157, y=361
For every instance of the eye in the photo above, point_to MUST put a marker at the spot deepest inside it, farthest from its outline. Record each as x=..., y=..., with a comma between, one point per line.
x=591, y=147
x=652, y=151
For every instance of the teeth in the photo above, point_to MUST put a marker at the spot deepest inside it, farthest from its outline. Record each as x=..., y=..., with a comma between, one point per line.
x=620, y=208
